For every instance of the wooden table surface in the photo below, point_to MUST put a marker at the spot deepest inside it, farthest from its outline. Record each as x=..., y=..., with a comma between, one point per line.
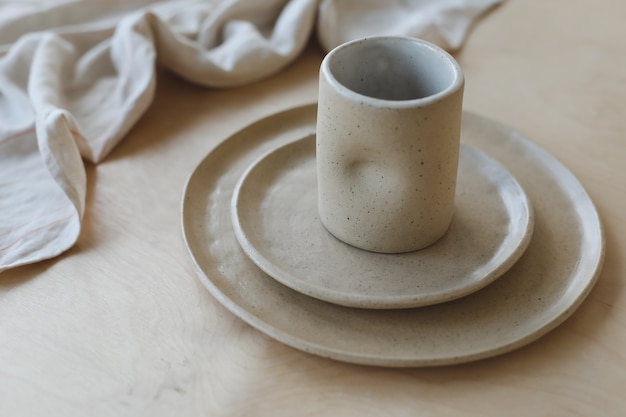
x=120, y=325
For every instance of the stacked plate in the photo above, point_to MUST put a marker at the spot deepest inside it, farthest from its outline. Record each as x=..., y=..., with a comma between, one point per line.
x=523, y=251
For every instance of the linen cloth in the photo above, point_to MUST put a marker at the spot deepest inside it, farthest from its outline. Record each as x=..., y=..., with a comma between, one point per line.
x=75, y=75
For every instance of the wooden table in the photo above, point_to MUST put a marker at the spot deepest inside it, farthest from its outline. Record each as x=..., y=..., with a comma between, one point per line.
x=120, y=325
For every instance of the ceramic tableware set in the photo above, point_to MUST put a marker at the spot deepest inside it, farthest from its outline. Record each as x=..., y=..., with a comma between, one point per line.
x=385, y=226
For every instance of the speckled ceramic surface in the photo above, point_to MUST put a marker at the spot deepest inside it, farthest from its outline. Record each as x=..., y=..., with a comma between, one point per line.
x=276, y=220
x=388, y=130
x=539, y=292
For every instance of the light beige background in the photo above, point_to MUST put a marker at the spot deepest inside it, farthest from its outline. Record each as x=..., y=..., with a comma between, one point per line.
x=120, y=325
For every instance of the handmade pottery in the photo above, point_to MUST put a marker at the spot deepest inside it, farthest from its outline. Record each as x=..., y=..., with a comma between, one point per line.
x=388, y=129
x=275, y=219
x=545, y=286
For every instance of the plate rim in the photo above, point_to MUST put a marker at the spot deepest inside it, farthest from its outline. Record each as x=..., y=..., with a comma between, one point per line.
x=386, y=301
x=345, y=355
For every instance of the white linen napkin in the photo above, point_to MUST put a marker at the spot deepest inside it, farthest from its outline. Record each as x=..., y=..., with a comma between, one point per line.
x=76, y=75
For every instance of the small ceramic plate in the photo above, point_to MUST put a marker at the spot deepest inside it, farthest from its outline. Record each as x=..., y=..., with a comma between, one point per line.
x=275, y=218
x=542, y=289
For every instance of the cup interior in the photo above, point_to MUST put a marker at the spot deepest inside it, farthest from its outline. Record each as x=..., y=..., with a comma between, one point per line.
x=393, y=68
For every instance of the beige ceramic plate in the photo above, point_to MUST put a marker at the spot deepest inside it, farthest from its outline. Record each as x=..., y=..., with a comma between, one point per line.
x=539, y=292
x=275, y=218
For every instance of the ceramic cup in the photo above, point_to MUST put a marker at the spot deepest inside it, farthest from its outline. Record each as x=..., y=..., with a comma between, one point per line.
x=388, y=137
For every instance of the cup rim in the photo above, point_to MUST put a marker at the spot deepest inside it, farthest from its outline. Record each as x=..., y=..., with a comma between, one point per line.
x=454, y=86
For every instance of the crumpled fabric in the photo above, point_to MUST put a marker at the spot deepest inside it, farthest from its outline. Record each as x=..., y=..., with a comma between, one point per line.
x=76, y=75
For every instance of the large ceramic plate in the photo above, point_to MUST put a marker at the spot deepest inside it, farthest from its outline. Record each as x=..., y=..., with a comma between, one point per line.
x=539, y=292
x=275, y=219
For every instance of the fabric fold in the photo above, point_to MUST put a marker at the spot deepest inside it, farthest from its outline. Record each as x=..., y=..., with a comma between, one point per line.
x=238, y=43
x=443, y=22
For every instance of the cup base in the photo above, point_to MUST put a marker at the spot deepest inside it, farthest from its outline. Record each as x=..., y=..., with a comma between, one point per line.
x=388, y=244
